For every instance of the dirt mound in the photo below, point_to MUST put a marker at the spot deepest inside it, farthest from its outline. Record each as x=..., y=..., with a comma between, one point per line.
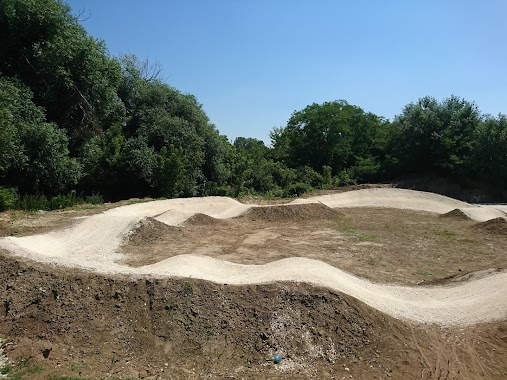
x=201, y=220
x=146, y=231
x=456, y=214
x=188, y=329
x=493, y=226
x=290, y=213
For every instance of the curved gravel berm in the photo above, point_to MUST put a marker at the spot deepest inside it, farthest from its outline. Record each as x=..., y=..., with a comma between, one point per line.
x=93, y=243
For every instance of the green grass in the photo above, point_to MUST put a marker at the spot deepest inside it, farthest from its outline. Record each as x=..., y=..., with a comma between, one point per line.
x=6, y=369
x=188, y=289
x=424, y=273
x=58, y=377
x=135, y=201
x=85, y=207
x=365, y=237
x=446, y=234
x=36, y=369
x=23, y=369
x=360, y=236
x=75, y=367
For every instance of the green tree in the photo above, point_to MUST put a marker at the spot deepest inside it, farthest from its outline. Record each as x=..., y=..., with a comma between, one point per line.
x=320, y=135
x=333, y=134
x=169, y=172
x=279, y=144
x=11, y=156
x=119, y=167
x=35, y=156
x=489, y=154
x=429, y=135
x=138, y=165
x=164, y=117
x=70, y=73
x=101, y=161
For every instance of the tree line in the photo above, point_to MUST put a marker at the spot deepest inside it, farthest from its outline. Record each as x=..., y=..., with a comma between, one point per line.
x=76, y=120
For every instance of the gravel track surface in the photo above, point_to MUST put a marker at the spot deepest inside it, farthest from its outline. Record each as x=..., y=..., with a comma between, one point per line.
x=92, y=244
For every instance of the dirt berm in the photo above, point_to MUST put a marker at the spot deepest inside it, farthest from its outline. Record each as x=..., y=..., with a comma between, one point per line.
x=82, y=324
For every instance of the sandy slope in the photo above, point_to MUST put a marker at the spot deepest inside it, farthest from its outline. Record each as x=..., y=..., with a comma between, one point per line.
x=407, y=199
x=93, y=242
x=389, y=197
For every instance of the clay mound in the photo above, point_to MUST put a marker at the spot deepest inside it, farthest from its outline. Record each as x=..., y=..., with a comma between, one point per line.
x=201, y=220
x=456, y=214
x=493, y=226
x=291, y=212
x=147, y=230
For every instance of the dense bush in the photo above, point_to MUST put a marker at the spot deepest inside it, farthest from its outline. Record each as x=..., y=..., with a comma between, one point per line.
x=297, y=189
x=31, y=202
x=8, y=198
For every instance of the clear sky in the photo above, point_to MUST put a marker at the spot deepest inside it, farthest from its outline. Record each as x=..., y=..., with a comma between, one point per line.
x=252, y=63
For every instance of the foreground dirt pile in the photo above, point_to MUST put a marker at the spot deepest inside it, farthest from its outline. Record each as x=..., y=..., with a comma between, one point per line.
x=73, y=323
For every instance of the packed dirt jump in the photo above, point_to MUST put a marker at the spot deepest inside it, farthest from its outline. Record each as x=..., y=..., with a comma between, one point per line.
x=372, y=283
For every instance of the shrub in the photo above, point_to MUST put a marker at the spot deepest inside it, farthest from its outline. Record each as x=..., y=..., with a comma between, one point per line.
x=344, y=178
x=222, y=191
x=8, y=198
x=366, y=169
x=94, y=199
x=297, y=189
x=32, y=203
x=64, y=201
x=326, y=176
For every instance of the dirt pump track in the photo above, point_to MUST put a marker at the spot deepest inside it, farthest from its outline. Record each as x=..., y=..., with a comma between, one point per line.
x=93, y=244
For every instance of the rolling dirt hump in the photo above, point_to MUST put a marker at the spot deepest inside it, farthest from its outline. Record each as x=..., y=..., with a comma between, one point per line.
x=201, y=220
x=493, y=226
x=147, y=230
x=456, y=214
x=291, y=212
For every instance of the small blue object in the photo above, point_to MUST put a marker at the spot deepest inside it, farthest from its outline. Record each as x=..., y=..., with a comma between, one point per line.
x=277, y=359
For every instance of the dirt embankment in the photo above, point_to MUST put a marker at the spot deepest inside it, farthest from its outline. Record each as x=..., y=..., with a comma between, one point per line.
x=75, y=323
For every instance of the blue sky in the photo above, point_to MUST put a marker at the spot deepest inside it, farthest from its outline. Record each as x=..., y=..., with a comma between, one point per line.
x=253, y=63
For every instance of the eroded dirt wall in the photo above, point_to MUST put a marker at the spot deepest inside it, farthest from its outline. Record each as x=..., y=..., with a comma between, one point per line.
x=76, y=323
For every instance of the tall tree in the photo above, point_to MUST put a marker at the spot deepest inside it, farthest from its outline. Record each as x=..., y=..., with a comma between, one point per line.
x=434, y=135
x=70, y=73
x=488, y=160
x=330, y=134
x=34, y=154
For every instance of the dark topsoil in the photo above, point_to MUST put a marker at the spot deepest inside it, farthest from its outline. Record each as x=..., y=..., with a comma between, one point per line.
x=66, y=322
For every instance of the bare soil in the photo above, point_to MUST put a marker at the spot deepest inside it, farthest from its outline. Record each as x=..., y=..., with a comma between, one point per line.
x=68, y=322
x=380, y=244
